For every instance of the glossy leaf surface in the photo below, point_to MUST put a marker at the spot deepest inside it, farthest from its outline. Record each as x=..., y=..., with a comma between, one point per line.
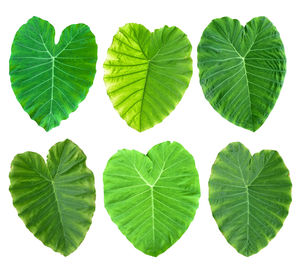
x=152, y=198
x=56, y=200
x=249, y=196
x=146, y=74
x=242, y=69
x=48, y=79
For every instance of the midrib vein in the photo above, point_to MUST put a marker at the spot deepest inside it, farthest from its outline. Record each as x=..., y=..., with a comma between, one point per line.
x=243, y=58
x=52, y=75
x=143, y=96
x=153, y=216
x=52, y=85
x=58, y=208
x=247, y=203
x=152, y=196
x=248, y=214
x=248, y=89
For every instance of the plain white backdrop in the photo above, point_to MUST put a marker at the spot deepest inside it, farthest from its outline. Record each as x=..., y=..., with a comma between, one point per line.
x=97, y=128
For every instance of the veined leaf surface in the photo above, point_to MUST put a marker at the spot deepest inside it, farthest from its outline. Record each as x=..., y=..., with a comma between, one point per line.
x=48, y=79
x=242, y=69
x=146, y=74
x=56, y=200
x=249, y=196
x=152, y=198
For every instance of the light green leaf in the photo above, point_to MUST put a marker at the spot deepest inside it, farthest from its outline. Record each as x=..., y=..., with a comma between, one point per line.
x=56, y=200
x=146, y=74
x=249, y=196
x=242, y=69
x=152, y=198
x=48, y=79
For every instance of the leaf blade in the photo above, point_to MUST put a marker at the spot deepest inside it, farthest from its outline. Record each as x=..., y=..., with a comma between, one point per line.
x=144, y=202
x=48, y=80
x=251, y=202
x=250, y=63
x=146, y=74
x=57, y=210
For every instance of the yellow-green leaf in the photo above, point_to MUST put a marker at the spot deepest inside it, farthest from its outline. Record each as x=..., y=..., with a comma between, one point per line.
x=146, y=74
x=152, y=198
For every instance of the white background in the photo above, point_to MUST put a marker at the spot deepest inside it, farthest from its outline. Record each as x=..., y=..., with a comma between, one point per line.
x=97, y=128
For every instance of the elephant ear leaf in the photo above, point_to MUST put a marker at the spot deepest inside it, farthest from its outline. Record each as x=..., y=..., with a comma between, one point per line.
x=152, y=198
x=48, y=79
x=242, y=69
x=249, y=196
x=146, y=74
x=55, y=200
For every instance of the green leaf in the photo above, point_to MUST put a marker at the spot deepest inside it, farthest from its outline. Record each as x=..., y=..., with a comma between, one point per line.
x=56, y=200
x=48, y=79
x=249, y=196
x=152, y=198
x=242, y=69
x=146, y=74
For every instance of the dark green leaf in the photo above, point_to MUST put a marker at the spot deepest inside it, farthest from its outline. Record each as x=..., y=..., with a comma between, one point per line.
x=56, y=200
x=242, y=69
x=249, y=196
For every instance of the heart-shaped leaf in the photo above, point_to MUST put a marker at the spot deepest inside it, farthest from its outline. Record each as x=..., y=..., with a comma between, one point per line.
x=242, y=69
x=48, y=79
x=56, y=200
x=146, y=74
x=249, y=196
x=152, y=198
